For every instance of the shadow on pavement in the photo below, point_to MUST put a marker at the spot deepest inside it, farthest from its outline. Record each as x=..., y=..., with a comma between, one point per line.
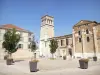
x=18, y=60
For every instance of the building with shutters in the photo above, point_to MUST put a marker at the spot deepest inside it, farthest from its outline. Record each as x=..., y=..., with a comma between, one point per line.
x=24, y=44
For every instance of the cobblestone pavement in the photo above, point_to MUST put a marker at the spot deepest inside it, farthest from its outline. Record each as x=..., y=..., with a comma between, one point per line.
x=48, y=67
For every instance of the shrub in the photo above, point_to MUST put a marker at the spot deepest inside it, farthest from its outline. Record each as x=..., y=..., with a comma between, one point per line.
x=85, y=60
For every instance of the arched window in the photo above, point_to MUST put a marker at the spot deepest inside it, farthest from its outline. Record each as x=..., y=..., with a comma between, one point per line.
x=70, y=51
x=47, y=21
x=79, y=32
x=66, y=41
x=20, y=45
x=88, y=39
x=87, y=32
x=62, y=42
x=51, y=21
x=80, y=40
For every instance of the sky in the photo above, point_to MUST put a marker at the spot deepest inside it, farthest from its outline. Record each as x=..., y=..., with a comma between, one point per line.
x=27, y=13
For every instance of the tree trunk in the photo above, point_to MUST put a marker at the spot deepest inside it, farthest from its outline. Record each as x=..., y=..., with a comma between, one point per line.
x=10, y=55
x=52, y=55
x=34, y=56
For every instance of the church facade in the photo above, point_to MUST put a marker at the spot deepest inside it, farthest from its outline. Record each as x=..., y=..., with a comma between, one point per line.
x=47, y=33
x=83, y=42
x=86, y=39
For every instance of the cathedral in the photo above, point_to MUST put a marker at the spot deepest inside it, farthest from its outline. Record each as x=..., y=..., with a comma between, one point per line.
x=83, y=42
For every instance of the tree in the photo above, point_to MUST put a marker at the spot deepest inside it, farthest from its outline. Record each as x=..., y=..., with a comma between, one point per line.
x=11, y=40
x=53, y=46
x=33, y=46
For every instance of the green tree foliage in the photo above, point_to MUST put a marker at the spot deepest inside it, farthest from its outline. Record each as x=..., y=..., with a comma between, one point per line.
x=11, y=40
x=33, y=45
x=53, y=46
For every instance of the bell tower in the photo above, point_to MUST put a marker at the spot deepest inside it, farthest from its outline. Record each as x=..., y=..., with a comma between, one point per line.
x=47, y=26
x=46, y=32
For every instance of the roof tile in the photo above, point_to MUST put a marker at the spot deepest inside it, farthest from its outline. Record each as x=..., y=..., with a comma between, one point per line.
x=11, y=26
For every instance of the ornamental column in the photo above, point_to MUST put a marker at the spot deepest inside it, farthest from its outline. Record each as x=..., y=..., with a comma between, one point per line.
x=83, y=43
x=73, y=43
x=95, y=41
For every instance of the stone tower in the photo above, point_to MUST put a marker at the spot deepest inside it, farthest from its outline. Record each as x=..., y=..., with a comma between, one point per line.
x=46, y=32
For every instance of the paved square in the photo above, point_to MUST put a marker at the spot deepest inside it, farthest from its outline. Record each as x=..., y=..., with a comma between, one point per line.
x=50, y=67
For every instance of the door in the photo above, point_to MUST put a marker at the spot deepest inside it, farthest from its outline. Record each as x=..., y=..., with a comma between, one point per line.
x=70, y=52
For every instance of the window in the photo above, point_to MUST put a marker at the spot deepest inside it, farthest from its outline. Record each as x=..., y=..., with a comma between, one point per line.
x=47, y=21
x=29, y=39
x=20, y=46
x=51, y=21
x=62, y=42
x=6, y=30
x=20, y=34
x=66, y=41
x=79, y=33
x=44, y=19
x=21, y=39
x=88, y=39
x=80, y=40
x=29, y=34
x=87, y=32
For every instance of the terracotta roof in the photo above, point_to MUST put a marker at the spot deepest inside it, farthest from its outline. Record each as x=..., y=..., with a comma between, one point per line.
x=82, y=22
x=64, y=36
x=69, y=35
x=10, y=26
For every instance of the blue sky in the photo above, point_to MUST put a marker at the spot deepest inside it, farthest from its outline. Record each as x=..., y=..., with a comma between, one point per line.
x=27, y=13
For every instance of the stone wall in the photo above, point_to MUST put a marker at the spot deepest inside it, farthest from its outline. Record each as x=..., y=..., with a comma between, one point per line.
x=63, y=49
x=84, y=46
x=98, y=37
